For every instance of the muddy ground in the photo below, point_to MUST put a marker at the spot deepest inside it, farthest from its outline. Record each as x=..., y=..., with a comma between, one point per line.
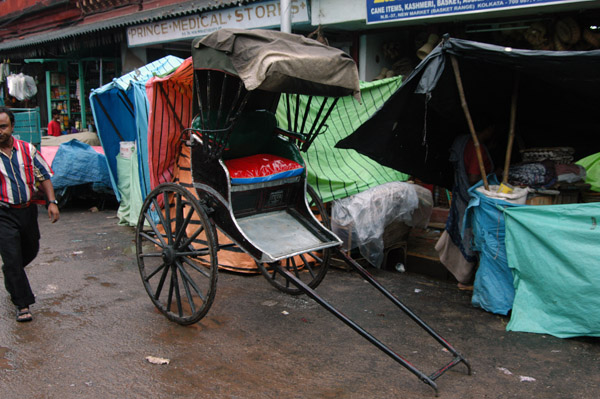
x=94, y=326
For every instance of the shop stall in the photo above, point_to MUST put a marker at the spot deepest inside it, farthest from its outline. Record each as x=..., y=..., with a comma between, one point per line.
x=544, y=101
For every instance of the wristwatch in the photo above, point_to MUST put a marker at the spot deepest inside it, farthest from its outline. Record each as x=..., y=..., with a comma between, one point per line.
x=55, y=202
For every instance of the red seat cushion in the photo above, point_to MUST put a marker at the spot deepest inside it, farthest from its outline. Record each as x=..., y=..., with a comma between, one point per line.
x=261, y=168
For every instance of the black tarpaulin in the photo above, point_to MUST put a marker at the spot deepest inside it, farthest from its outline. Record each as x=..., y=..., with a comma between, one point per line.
x=558, y=105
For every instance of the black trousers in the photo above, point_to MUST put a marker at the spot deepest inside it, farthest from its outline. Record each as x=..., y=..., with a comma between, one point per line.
x=19, y=245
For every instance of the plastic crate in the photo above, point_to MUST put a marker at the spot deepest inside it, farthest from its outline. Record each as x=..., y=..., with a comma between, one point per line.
x=27, y=125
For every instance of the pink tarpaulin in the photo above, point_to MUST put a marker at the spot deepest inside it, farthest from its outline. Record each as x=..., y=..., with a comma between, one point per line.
x=49, y=152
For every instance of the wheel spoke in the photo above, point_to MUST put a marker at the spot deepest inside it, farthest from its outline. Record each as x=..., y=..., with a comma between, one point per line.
x=192, y=237
x=287, y=267
x=307, y=265
x=195, y=253
x=152, y=255
x=175, y=282
x=151, y=239
x=178, y=210
x=162, y=219
x=292, y=261
x=188, y=293
x=168, y=216
x=196, y=268
x=163, y=277
x=181, y=228
x=155, y=229
x=186, y=277
x=313, y=255
x=274, y=272
x=170, y=296
x=159, y=268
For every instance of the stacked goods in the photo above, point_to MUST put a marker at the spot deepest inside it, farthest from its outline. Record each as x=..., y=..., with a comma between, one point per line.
x=561, y=35
x=561, y=155
x=401, y=65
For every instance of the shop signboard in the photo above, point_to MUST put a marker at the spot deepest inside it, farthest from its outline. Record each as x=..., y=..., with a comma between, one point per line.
x=394, y=10
x=256, y=15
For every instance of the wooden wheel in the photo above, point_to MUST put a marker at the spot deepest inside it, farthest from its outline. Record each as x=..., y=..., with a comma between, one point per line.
x=177, y=253
x=309, y=267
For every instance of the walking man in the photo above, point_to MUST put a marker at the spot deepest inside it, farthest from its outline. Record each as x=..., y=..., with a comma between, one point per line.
x=21, y=168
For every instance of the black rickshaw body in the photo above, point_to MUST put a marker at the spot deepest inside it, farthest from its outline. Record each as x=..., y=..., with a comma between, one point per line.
x=234, y=118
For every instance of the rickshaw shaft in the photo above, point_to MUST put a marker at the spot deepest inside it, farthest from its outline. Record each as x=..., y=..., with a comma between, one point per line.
x=367, y=276
x=312, y=294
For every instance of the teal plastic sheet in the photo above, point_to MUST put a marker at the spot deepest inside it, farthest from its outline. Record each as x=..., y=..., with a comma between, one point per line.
x=554, y=253
x=493, y=287
x=592, y=170
x=129, y=187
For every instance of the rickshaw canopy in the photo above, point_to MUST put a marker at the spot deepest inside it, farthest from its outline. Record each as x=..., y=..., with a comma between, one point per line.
x=278, y=62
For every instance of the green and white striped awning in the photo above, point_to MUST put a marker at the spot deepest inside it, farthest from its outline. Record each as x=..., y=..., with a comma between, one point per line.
x=338, y=173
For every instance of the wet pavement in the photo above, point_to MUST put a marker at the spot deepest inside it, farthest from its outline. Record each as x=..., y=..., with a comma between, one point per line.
x=94, y=326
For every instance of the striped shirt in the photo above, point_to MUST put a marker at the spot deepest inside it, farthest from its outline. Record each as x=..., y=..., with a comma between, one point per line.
x=20, y=171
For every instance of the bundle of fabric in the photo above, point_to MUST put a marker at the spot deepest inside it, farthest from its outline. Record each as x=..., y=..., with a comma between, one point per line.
x=534, y=174
x=545, y=174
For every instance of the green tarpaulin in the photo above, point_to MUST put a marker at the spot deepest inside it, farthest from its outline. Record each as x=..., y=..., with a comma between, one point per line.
x=592, y=169
x=130, y=189
x=555, y=257
x=336, y=173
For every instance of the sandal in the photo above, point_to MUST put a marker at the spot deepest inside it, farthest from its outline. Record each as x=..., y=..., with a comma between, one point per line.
x=24, y=315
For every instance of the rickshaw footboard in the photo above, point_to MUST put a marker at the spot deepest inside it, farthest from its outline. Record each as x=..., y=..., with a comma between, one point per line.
x=427, y=379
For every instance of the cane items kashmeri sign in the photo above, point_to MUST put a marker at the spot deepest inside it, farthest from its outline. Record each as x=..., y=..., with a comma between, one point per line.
x=394, y=10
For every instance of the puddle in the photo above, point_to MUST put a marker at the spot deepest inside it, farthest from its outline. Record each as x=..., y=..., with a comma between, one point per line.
x=130, y=250
x=49, y=313
x=49, y=289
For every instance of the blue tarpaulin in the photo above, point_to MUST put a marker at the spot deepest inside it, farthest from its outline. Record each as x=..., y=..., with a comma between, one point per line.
x=120, y=110
x=555, y=257
x=493, y=288
x=78, y=163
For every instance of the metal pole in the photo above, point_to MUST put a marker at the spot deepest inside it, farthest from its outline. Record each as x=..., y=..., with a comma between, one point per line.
x=286, y=15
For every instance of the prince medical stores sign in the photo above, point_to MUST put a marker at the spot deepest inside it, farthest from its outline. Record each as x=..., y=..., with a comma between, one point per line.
x=394, y=10
x=256, y=15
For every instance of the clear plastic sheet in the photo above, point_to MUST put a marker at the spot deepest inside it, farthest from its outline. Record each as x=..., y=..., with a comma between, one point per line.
x=22, y=87
x=362, y=220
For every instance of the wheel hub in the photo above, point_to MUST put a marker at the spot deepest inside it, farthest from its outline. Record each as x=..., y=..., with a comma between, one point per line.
x=169, y=255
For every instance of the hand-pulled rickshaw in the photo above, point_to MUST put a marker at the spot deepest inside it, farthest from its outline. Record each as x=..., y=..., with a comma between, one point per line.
x=249, y=179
